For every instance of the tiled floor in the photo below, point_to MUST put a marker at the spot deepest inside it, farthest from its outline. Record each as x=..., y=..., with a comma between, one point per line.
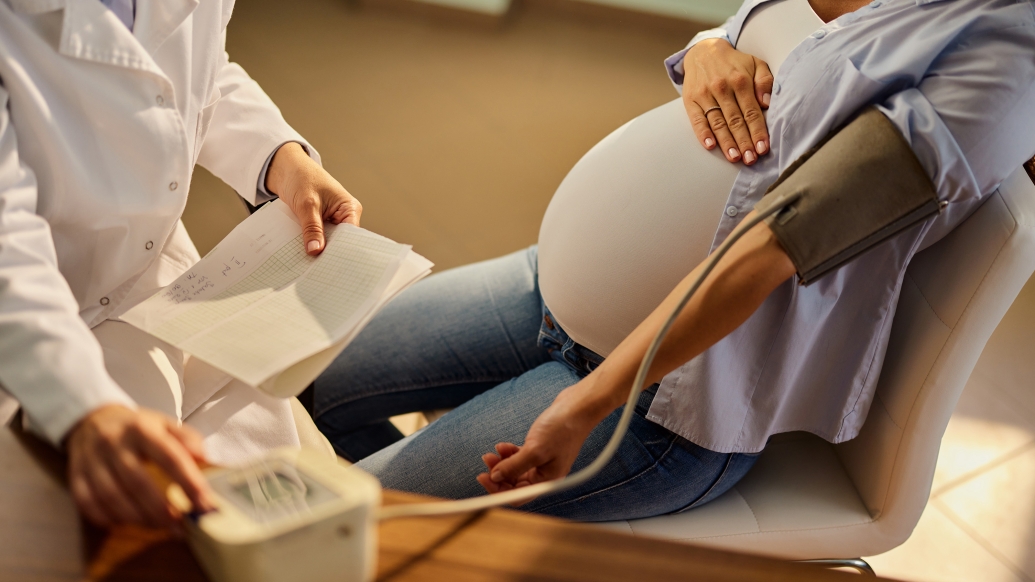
x=454, y=138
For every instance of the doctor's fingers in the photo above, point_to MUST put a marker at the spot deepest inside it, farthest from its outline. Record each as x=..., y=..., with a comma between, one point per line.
x=145, y=493
x=111, y=498
x=189, y=438
x=164, y=450
x=82, y=494
x=344, y=208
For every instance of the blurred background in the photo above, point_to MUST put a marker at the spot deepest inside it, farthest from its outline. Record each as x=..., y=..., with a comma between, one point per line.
x=452, y=128
x=454, y=122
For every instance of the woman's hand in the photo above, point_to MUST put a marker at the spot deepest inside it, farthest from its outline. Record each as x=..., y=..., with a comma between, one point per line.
x=311, y=193
x=550, y=449
x=724, y=92
x=108, y=453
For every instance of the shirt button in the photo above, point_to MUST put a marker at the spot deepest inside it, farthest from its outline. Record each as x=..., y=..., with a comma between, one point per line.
x=173, y=185
x=149, y=245
x=104, y=301
x=776, y=88
x=159, y=100
x=731, y=211
x=819, y=34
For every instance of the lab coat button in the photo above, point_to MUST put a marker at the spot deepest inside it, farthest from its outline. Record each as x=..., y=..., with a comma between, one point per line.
x=173, y=185
x=731, y=211
x=159, y=100
x=819, y=34
x=104, y=301
x=149, y=245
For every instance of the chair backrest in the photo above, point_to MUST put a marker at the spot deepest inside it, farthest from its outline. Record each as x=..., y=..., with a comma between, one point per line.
x=954, y=295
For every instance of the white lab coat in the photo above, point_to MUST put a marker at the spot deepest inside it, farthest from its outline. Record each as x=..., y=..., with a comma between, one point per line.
x=100, y=129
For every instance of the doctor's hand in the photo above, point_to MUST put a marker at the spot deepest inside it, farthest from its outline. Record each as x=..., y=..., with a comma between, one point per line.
x=550, y=449
x=724, y=92
x=311, y=193
x=109, y=451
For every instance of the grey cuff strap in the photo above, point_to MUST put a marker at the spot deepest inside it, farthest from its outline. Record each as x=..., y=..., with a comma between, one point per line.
x=858, y=187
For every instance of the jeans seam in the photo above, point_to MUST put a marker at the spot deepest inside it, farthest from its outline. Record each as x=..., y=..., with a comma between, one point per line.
x=729, y=462
x=661, y=457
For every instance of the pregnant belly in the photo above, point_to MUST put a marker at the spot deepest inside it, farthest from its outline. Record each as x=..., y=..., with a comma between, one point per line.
x=630, y=220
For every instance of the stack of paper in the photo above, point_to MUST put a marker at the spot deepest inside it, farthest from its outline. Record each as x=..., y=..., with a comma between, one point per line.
x=263, y=311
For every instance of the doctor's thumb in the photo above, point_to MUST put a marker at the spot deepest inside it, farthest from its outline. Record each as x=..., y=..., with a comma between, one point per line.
x=312, y=232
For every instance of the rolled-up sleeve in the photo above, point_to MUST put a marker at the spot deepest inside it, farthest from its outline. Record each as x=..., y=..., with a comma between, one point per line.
x=49, y=360
x=971, y=119
x=246, y=129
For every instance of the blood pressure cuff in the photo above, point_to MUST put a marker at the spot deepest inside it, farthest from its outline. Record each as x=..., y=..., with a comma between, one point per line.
x=857, y=188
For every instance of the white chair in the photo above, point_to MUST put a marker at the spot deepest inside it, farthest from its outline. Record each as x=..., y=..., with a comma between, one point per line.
x=807, y=499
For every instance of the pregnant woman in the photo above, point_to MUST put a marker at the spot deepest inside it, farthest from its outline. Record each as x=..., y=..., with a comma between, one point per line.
x=517, y=345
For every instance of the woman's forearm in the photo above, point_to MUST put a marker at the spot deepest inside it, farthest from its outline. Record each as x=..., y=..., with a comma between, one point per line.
x=749, y=272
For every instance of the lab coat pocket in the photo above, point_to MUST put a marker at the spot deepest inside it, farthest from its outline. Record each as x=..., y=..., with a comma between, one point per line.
x=204, y=120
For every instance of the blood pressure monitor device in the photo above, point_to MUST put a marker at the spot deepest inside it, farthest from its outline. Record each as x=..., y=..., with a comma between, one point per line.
x=291, y=516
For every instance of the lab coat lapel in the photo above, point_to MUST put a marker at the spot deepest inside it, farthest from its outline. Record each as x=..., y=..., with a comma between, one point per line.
x=92, y=32
x=158, y=19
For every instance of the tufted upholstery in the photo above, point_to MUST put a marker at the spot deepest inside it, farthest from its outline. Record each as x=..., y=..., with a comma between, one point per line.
x=809, y=499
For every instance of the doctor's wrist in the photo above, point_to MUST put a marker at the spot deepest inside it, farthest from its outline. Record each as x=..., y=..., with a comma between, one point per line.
x=290, y=164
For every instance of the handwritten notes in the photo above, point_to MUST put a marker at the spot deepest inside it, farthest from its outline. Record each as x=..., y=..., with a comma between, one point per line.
x=257, y=304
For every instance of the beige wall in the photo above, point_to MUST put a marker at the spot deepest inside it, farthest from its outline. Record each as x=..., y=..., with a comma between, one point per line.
x=453, y=137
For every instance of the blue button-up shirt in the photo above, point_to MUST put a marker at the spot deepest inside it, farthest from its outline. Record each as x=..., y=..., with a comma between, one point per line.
x=957, y=77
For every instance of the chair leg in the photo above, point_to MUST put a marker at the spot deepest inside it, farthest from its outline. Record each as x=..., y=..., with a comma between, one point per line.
x=858, y=564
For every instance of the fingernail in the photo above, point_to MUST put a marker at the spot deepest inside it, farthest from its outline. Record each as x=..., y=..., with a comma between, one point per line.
x=709, y=142
x=765, y=99
x=734, y=154
x=496, y=477
x=313, y=245
x=749, y=157
x=761, y=147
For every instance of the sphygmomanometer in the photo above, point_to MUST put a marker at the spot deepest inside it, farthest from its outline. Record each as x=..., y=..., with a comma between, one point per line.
x=295, y=516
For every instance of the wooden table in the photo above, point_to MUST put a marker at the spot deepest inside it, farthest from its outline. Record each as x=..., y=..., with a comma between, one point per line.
x=43, y=538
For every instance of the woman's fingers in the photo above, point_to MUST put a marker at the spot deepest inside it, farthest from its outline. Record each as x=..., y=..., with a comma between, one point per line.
x=727, y=93
x=699, y=122
x=720, y=129
x=507, y=450
x=515, y=467
x=763, y=83
x=763, y=94
x=757, y=132
x=490, y=460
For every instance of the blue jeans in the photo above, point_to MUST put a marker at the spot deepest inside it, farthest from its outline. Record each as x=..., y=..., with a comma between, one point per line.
x=479, y=339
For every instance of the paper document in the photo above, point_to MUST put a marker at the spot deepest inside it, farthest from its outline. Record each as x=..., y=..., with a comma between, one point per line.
x=263, y=311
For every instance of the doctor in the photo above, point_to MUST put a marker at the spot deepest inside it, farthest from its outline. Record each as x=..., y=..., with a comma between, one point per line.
x=105, y=107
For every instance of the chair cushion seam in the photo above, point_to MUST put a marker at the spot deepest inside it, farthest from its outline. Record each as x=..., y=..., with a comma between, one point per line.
x=777, y=531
